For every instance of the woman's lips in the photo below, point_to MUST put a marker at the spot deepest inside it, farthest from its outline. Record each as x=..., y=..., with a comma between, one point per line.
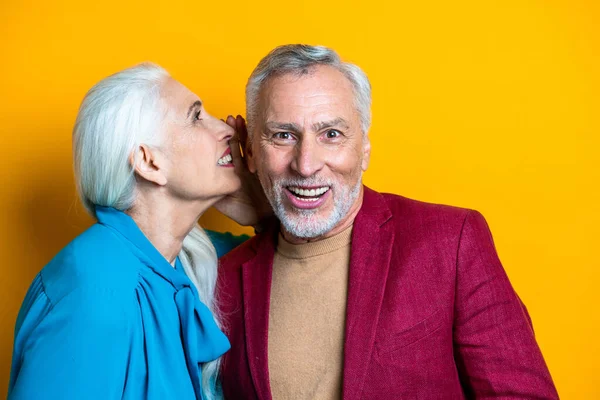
x=226, y=159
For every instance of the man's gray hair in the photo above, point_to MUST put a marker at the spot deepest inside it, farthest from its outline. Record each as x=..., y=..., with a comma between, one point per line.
x=299, y=59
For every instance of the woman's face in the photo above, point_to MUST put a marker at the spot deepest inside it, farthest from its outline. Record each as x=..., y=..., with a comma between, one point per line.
x=196, y=146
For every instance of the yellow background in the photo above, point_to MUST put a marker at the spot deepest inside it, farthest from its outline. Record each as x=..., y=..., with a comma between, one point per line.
x=492, y=105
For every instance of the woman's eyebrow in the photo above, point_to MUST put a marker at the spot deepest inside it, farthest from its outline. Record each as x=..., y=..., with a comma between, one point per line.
x=196, y=104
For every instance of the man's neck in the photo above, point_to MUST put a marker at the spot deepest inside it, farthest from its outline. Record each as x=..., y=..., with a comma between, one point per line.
x=346, y=222
x=165, y=222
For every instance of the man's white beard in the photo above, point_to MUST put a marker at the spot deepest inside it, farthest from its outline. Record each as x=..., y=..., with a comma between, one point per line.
x=303, y=223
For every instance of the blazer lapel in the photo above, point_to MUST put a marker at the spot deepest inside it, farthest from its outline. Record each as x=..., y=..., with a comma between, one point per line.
x=256, y=282
x=372, y=241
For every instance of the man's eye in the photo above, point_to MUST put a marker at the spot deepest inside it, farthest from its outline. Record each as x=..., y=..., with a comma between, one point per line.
x=332, y=134
x=283, y=135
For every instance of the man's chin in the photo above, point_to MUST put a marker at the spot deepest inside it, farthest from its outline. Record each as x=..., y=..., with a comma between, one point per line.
x=306, y=224
x=306, y=215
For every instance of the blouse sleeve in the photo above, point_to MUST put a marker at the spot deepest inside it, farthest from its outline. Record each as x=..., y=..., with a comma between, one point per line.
x=225, y=242
x=78, y=348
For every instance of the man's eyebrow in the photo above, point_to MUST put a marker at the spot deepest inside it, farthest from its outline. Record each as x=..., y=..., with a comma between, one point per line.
x=284, y=126
x=196, y=104
x=329, y=124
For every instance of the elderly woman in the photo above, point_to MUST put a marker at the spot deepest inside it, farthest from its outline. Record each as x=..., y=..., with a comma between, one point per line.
x=126, y=310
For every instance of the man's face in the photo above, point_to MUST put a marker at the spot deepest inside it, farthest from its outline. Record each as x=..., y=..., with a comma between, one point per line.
x=309, y=151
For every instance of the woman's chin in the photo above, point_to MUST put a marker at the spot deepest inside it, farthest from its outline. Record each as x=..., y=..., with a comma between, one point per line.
x=236, y=184
x=229, y=188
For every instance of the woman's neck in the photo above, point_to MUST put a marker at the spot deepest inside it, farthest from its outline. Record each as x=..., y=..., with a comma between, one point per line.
x=165, y=223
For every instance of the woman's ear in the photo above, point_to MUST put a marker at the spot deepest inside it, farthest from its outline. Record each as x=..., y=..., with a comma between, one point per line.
x=149, y=164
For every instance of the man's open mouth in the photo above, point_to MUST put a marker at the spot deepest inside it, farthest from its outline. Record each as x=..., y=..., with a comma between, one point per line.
x=308, y=194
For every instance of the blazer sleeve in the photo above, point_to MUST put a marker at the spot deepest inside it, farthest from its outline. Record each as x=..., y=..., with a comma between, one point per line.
x=80, y=349
x=495, y=349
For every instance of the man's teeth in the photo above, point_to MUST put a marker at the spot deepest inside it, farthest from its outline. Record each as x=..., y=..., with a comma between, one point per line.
x=308, y=192
x=225, y=160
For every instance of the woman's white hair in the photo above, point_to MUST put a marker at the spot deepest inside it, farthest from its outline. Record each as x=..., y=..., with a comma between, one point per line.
x=118, y=114
x=299, y=59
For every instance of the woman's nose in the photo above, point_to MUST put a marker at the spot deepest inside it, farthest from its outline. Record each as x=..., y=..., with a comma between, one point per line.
x=223, y=131
x=228, y=132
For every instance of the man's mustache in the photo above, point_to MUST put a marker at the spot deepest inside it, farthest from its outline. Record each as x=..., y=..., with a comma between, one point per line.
x=311, y=181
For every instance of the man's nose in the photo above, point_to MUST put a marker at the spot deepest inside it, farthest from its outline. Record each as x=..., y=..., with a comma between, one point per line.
x=308, y=158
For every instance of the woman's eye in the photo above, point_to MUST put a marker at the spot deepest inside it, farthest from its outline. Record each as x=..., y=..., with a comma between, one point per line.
x=197, y=115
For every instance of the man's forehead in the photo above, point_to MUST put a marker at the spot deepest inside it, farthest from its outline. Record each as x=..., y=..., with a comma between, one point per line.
x=317, y=80
x=324, y=94
x=322, y=87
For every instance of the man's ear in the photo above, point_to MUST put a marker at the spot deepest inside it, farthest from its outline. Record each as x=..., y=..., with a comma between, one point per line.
x=249, y=152
x=149, y=164
x=366, y=152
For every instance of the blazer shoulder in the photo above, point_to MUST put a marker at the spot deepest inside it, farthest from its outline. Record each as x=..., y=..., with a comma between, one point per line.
x=96, y=258
x=242, y=253
x=428, y=215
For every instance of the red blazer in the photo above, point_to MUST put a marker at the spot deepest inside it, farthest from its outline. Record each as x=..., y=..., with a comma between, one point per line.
x=431, y=313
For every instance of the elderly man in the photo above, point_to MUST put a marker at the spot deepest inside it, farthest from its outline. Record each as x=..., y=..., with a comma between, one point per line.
x=358, y=294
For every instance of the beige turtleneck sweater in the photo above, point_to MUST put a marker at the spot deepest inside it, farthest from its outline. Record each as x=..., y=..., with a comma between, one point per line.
x=307, y=318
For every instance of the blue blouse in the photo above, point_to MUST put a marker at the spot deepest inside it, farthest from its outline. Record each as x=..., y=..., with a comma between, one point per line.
x=110, y=318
